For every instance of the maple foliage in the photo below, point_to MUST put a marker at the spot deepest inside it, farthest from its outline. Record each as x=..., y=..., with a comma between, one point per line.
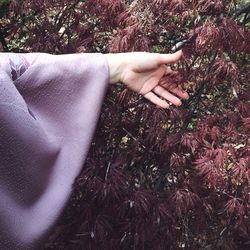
x=155, y=179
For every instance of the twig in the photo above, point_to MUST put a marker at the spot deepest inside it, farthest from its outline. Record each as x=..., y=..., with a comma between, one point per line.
x=242, y=9
x=3, y=41
x=198, y=98
x=134, y=138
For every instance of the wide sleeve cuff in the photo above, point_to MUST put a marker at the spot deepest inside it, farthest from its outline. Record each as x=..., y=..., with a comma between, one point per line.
x=49, y=108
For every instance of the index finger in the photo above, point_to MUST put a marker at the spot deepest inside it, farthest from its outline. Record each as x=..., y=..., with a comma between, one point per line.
x=170, y=58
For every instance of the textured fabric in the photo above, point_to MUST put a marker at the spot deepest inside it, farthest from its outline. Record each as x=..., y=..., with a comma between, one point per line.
x=49, y=107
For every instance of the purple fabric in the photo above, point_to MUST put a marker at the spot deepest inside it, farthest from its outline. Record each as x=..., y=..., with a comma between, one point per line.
x=49, y=107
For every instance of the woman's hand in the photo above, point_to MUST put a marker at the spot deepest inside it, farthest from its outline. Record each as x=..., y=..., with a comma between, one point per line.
x=142, y=72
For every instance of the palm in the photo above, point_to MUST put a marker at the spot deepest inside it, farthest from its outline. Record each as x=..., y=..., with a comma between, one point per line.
x=144, y=73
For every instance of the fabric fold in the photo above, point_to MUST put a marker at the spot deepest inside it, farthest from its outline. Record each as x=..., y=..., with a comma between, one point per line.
x=49, y=108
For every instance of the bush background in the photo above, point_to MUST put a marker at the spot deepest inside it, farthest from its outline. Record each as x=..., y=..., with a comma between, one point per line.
x=154, y=178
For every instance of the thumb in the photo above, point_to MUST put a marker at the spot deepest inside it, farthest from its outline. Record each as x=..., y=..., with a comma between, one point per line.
x=170, y=58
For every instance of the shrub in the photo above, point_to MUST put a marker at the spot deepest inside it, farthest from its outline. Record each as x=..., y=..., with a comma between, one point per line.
x=154, y=178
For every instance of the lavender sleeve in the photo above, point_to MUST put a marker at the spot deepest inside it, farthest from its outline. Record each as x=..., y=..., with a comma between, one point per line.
x=49, y=107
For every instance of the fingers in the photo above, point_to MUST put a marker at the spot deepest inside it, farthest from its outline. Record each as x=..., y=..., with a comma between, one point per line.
x=156, y=100
x=160, y=91
x=180, y=92
x=173, y=87
x=169, y=58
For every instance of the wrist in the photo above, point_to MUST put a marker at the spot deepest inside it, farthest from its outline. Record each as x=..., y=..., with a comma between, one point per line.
x=116, y=66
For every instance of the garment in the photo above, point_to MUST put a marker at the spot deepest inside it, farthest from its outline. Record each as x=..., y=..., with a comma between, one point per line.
x=49, y=107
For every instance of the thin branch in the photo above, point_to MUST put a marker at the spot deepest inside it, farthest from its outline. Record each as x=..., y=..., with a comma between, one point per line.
x=242, y=9
x=135, y=139
x=198, y=99
x=3, y=41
